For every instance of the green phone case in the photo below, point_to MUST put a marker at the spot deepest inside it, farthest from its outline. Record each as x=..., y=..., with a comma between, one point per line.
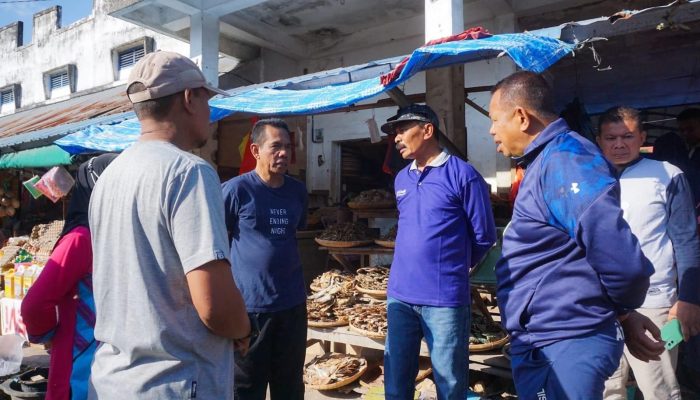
x=671, y=334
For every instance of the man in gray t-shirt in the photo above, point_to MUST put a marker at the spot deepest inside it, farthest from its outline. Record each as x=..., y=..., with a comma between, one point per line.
x=168, y=311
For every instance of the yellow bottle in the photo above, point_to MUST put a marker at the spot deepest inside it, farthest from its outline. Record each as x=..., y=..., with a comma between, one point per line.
x=18, y=281
x=9, y=277
x=28, y=279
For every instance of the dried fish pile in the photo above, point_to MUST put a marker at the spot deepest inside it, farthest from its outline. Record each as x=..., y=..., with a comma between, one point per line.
x=484, y=331
x=372, y=278
x=346, y=232
x=330, y=278
x=391, y=235
x=374, y=196
x=329, y=303
x=332, y=368
x=371, y=319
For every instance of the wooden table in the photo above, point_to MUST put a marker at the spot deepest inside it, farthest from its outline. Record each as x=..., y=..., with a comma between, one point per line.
x=491, y=362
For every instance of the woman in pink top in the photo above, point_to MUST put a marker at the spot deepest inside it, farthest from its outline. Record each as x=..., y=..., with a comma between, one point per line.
x=65, y=285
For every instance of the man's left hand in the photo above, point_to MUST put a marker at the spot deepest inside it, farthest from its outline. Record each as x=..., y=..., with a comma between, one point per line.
x=636, y=327
x=688, y=314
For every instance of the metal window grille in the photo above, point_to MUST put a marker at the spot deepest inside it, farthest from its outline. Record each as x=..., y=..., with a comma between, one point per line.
x=59, y=80
x=7, y=97
x=130, y=57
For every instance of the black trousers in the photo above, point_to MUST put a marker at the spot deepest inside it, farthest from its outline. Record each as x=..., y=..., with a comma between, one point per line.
x=276, y=357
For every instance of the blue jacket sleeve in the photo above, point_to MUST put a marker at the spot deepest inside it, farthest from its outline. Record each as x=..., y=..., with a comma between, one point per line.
x=480, y=223
x=682, y=229
x=614, y=252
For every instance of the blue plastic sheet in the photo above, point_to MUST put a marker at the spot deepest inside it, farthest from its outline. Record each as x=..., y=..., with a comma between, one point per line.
x=528, y=51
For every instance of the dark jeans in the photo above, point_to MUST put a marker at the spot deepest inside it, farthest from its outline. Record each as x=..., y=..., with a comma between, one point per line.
x=276, y=357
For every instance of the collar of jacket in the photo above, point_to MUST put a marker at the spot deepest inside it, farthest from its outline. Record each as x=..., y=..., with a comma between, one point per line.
x=544, y=137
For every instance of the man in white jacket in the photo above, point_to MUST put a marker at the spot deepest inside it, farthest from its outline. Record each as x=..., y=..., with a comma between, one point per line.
x=657, y=204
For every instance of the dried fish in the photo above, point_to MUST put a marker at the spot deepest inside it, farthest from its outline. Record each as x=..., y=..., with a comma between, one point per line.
x=370, y=318
x=346, y=232
x=329, y=278
x=391, y=235
x=374, y=196
x=484, y=330
x=372, y=278
x=332, y=368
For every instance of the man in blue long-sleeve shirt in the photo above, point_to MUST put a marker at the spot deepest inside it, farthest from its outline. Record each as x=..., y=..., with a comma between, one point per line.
x=445, y=226
x=658, y=205
x=570, y=265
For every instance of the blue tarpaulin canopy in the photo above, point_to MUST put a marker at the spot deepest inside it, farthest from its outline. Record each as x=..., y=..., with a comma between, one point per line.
x=528, y=51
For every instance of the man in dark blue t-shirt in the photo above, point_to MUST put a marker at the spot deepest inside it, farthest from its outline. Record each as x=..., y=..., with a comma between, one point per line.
x=264, y=208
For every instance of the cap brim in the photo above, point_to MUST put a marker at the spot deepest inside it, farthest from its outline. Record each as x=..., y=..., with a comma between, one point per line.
x=216, y=90
x=388, y=127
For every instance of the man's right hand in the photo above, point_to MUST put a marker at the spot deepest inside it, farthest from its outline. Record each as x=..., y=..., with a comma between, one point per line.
x=242, y=345
x=641, y=346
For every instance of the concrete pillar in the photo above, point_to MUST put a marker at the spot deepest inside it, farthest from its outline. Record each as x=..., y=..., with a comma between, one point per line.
x=445, y=86
x=204, y=45
x=204, y=50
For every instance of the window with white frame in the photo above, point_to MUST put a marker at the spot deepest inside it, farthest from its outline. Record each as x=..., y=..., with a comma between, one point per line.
x=7, y=96
x=129, y=57
x=60, y=82
x=7, y=100
x=126, y=55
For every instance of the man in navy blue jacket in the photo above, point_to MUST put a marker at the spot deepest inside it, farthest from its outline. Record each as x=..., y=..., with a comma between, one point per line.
x=571, y=266
x=445, y=226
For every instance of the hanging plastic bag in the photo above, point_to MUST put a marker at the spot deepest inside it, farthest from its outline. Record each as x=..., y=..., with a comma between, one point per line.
x=55, y=184
x=10, y=354
x=29, y=185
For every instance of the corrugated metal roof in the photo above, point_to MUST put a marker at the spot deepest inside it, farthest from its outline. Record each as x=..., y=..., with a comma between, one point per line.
x=43, y=124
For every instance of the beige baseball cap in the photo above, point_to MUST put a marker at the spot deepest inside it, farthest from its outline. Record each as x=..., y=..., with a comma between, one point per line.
x=164, y=73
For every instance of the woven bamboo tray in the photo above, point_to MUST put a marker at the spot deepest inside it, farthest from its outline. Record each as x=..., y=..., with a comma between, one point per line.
x=490, y=346
x=385, y=243
x=369, y=334
x=378, y=294
x=341, y=244
x=376, y=204
x=342, y=383
x=327, y=324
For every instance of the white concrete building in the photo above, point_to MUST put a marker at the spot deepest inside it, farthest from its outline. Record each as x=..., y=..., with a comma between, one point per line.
x=91, y=54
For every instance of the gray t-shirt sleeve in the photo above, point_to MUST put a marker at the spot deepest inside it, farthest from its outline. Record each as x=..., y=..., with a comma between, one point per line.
x=196, y=217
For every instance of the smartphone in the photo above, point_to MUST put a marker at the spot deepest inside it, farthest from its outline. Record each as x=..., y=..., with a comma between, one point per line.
x=671, y=334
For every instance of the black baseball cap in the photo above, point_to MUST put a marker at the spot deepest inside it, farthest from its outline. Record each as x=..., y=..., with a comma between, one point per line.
x=412, y=112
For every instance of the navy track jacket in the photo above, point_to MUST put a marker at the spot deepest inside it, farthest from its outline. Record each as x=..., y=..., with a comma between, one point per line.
x=570, y=262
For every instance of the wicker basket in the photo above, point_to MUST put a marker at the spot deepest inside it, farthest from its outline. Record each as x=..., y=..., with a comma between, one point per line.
x=490, y=346
x=327, y=324
x=377, y=294
x=341, y=244
x=385, y=243
x=342, y=383
x=369, y=334
x=377, y=204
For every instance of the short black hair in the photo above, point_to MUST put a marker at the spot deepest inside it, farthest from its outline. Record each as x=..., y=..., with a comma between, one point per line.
x=154, y=108
x=529, y=90
x=688, y=114
x=617, y=114
x=259, y=128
